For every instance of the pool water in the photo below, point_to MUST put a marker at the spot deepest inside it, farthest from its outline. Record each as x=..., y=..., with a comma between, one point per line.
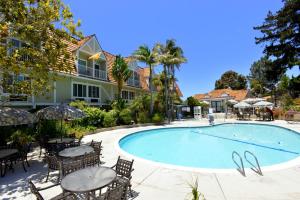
x=212, y=147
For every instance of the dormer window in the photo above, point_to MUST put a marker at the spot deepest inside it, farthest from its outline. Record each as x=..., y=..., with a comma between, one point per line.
x=224, y=95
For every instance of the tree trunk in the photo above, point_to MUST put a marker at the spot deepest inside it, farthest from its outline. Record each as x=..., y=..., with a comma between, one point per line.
x=151, y=90
x=168, y=96
x=120, y=85
x=173, y=91
x=166, y=91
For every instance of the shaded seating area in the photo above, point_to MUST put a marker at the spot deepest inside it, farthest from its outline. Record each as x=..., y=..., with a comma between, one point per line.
x=82, y=176
x=13, y=154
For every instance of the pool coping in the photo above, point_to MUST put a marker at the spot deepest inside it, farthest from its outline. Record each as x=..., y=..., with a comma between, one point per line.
x=285, y=165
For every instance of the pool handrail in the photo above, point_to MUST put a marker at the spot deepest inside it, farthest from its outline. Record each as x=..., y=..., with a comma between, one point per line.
x=256, y=168
x=240, y=168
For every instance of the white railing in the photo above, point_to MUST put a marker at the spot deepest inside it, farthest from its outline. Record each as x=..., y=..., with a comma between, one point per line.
x=90, y=72
x=100, y=74
x=133, y=82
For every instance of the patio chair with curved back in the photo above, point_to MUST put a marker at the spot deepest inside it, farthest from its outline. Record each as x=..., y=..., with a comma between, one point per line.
x=38, y=195
x=124, y=169
x=71, y=166
x=22, y=154
x=91, y=159
x=77, y=142
x=53, y=165
x=116, y=191
x=97, y=146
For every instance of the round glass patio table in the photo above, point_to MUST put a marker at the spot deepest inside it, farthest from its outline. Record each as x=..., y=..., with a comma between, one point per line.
x=76, y=151
x=4, y=155
x=61, y=140
x=88, y=179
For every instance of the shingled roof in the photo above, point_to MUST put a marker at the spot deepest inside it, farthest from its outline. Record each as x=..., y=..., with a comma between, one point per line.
x=237, y=95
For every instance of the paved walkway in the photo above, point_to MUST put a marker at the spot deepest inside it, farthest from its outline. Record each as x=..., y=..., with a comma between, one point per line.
x=151, y=181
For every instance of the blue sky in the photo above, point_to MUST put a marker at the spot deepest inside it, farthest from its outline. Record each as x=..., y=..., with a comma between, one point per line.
x=216, y=35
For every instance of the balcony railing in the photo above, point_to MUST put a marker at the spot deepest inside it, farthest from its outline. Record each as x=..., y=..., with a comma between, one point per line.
x=90, y=72
x=133, y=82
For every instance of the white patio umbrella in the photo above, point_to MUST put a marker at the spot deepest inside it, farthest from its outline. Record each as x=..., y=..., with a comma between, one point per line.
x=252, y=100
x=242, y=105
x=206, y=102
x=60, y=112
x=262, y=104
x=14, y=116
x=232, y=101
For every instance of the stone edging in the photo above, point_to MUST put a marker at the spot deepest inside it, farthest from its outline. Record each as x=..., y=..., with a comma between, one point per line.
x=123, y=126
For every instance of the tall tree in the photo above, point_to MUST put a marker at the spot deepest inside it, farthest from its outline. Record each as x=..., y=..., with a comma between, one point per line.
x=281, y=35
x=170, y=56
x=294, y=86
x=121, y=73
x=233, y=80
x=263, y=76
x=43, y=27
x=144, y=54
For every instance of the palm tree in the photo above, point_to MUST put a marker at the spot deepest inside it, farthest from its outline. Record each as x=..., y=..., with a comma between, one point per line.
x=170, y=56
x=176, y=61
x=145, y=55
x=120, y=73
x=163, y=58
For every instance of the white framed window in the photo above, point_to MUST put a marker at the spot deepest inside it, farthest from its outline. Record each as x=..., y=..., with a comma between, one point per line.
x=94, y=92
x=82, y=62
x=79, y=90
x=128, y=95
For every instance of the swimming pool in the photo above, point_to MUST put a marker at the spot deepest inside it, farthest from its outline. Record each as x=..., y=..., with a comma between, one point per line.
x=211, y=147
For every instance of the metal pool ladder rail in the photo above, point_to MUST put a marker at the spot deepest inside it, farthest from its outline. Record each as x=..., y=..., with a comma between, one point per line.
x=256, y=168
x=240, y=166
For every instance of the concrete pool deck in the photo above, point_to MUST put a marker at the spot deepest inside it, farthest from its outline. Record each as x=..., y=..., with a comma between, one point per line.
x=152, y=181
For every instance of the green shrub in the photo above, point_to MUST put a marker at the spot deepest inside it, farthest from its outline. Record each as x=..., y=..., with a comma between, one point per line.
x=94, y=117
x=125, y=116
x=52, y=128
x=80, y=130
x=110, y=119
x=143, y=117
x=157, y=118
x=79, y=104
x=118, y=104
x=21, y=137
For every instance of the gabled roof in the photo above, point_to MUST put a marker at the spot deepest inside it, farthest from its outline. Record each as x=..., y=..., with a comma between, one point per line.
x=72, y=46
x=234, y=94
x=110, y=58
x=143, y=78
x=81, y=42
x=178, y=91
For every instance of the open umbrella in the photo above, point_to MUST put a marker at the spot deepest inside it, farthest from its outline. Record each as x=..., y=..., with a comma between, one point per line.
x=14, y=116
x=263, y=104
x=232, y=101
x=206, y=102
x=252, y=100
x=60, y=112
x=242, y=105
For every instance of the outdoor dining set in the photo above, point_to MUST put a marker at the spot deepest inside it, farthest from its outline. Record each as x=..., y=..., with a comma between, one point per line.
x=11, y=154
x=253, y=106
x=81, y=174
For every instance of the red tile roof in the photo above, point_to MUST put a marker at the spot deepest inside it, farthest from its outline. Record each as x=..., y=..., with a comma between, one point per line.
x=234, y=94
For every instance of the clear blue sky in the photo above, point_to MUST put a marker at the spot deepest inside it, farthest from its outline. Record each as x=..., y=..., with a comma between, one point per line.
x=216, y=35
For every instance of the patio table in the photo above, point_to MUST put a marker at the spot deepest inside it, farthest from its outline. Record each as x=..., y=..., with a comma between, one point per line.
x=61, y=140
x=75, y=151
x=88, y=179
x=4, y=155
